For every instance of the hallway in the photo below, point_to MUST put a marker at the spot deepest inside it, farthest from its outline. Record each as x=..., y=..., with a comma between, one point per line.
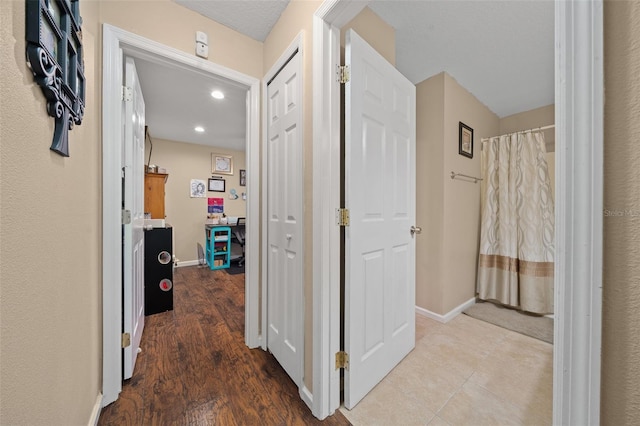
x=194, y=368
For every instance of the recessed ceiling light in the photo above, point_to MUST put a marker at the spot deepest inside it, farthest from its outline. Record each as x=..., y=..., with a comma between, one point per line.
x=217, y=94
x=199, y=129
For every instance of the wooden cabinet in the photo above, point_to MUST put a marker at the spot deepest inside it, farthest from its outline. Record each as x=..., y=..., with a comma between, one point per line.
x=154, y=194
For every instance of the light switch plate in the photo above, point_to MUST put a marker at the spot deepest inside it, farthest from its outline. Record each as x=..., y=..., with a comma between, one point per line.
x=201, y=37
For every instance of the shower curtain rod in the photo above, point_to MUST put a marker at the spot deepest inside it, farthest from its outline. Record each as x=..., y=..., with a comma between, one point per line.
x=550, y=126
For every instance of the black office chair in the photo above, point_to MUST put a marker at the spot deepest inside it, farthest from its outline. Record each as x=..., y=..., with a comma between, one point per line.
x=239, y=231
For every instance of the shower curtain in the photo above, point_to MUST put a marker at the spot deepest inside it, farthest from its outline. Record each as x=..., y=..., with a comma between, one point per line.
x=515, y=265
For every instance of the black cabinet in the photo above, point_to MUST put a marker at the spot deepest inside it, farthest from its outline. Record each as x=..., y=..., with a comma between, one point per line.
x=158, y=270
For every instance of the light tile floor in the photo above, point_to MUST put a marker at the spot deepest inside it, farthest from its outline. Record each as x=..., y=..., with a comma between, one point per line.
x=465, y=372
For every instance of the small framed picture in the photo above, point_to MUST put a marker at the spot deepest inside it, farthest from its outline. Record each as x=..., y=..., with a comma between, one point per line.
x=465, y=140
x=197, y=188
x=221, y=164
x=243, y=177
x=217, y=185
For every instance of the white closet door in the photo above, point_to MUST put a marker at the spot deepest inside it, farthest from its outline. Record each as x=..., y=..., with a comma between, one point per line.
x=285, y=285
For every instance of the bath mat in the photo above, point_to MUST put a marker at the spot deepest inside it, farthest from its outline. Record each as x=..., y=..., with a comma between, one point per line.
x=537, y=327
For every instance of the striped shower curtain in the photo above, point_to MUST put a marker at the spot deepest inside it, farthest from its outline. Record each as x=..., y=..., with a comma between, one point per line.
x=515, y=265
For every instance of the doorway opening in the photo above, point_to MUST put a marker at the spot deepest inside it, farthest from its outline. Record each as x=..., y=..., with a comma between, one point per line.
x=579, y=119
x=118, y=44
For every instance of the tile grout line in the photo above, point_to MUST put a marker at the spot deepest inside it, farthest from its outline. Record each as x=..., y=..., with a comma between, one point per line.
x=493, y=349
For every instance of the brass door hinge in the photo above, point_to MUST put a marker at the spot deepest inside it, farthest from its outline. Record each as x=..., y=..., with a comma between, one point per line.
x=126, y=340
x=342, y=217
x=343, y=74
x=342, y=360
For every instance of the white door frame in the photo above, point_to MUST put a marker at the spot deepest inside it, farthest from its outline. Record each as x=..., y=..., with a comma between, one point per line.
x=579, y=158
x=579, y=90
x=116, y=43
x=295, y=47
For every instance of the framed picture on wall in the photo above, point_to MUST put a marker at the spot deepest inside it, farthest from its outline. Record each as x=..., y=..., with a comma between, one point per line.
x=243, y=177
x=217, y=185
x=197, y=188
x=465, y=140
x=221, y=164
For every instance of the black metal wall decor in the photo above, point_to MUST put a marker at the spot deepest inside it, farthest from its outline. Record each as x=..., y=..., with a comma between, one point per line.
x=55, y=55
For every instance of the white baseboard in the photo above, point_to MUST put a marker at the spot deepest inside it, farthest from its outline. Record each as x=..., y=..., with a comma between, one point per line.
x=449, y=315
x=95, y=413
x=307, y=397
x=182, y=263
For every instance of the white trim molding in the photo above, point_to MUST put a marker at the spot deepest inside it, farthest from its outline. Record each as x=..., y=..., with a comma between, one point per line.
x=252, y=332
x=579, y=188
x=306, y=396
x=183, y=263
x=449, y=315
x=326, y=260
x=95, y=413
x=111, y=199
x=327, y=183
x=116, y=44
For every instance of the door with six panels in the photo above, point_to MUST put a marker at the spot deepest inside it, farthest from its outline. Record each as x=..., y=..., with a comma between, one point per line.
x=285, y=285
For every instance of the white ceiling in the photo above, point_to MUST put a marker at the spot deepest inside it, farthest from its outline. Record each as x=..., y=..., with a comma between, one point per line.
x=501, y=51
x=176, y=101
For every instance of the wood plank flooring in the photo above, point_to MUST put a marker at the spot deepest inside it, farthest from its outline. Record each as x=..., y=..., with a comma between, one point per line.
x=194, y=368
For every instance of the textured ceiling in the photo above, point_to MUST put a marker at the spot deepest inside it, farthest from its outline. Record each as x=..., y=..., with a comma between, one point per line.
x=254, y=18
x=501, y=51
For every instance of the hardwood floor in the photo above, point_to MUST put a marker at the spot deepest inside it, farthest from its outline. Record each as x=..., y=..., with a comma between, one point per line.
x=194, y=368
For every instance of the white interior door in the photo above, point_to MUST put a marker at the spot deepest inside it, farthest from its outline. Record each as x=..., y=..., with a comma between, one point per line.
x=380, y=195
x=133, y=201
x=285, y=308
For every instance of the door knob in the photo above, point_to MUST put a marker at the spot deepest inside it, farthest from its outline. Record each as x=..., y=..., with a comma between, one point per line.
x=288, y=236
x=415, y=230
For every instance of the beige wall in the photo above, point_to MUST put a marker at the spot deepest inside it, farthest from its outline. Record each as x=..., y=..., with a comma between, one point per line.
x=186, y=161
x=448, y=210
x=430, y=176
x=536, y=117
x=168, y=23
x=50, y=242
x=621, y=276
x=375, y=31
x=462, y=199
x=50, y=213
x=531, y=119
